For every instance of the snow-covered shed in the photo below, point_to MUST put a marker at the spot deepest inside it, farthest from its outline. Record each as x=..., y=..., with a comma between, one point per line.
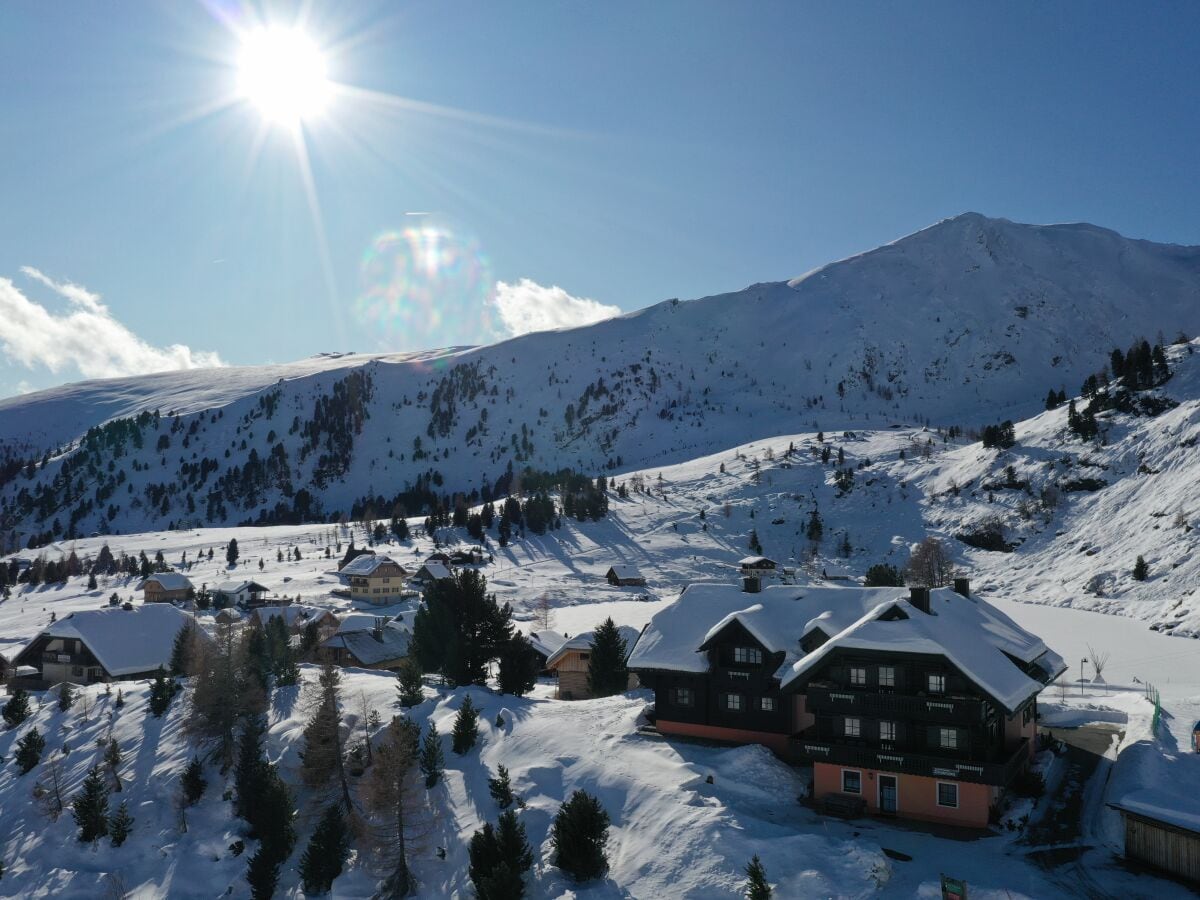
x=239, y=593
x=296, y=617
x=569, y=663
x=383, y=644
x=624, y=575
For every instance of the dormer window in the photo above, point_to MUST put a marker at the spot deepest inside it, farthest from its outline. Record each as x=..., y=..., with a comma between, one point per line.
x=937, y=684
x=858, y=676
x=748, y=655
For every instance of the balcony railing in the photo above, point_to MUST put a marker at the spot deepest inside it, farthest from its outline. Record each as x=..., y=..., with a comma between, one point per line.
x=1000, y=773
x=827, y=698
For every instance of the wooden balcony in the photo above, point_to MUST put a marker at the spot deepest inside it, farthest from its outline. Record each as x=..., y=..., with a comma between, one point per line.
x=823, y=697
x=1000, y=772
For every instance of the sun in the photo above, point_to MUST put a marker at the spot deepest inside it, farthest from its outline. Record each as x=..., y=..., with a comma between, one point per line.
x=282, y=72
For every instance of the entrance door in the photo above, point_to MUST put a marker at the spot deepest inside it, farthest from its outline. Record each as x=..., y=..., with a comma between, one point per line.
x=887, y=793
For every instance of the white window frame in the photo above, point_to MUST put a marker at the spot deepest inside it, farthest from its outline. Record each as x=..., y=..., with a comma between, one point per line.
x=936, y=683
x=846, y=790
x=952, y=734
x=858, y=676
x=938, y=794
x=891, y=726
x=888, y=679
x=747, y=656
x=681, y=693
x=728, y=702
x=767, y=704
x=857, y=732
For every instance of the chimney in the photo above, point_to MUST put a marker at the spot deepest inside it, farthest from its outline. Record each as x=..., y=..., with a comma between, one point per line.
x=962, y=586
x=752, y=584
x=919, y=597
x=378, y=629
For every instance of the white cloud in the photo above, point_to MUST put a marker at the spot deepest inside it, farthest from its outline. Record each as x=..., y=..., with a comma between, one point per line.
x=528, y=306
x=85, y=336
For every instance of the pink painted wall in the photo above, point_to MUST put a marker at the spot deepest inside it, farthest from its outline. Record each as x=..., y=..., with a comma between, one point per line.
x=916, y=795
x=778, y=743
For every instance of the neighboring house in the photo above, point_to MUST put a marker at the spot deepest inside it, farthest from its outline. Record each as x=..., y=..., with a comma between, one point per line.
x=472, y=556
x=439, y=557
x=625, y=576
x=297, y=617
x=121, y=642
x=545, y=643
x=166, y=587
x=569, y=663
x=239, y=593
x=374, y=579
x=759, y=566
x=383, y=644
x=431, y=572
x=913, y=703
x=231, y=615
x=353, y=553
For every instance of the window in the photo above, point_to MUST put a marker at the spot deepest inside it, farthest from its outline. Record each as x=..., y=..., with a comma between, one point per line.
x=887, y=731
x=684, y=697
x=947, y=794
x=851, y=727
x=851, y=782
x=887, y=676
x=948, y=738
x=858, y=676
x=77, y=671
x=747, y=655
x=937, y=684
x=583, y=657
x=766, y=704
x=733, y=702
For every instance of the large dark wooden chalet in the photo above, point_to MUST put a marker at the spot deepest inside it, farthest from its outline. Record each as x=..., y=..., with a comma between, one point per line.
x=914, y=702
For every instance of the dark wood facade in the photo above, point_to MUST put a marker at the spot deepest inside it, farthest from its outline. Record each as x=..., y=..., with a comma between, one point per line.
x=908, y=706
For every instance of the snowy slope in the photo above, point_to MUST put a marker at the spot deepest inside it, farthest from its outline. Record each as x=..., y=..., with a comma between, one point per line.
x=967, y=321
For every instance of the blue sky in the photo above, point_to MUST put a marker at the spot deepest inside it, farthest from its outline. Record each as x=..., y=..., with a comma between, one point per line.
x=621, y=152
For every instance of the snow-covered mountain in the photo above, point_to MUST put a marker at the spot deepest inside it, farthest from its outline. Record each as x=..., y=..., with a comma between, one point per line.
x=965, y=322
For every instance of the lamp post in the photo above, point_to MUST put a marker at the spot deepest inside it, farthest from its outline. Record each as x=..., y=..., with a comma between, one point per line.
x=1081, y=662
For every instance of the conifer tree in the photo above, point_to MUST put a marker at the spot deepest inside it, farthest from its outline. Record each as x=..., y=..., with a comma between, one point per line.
x=90, y=807
x=755, y=543
x=322, y=756
x=410, y=684
x=29, y=750
x=161, y=692
x=249, y=771
x=121, y=825
x=815, y=529
x=432, y=757
x=120, y=701
x=607, y=671
x=112, y=759
x=66, y=696
x=183, y=650
x=466, y=726
x=1141, y=571
x=263, y=874
x=193, y=782
x=500, y=857
x=519, y=666
x=16, y=710
x=579, y=835
x=757, y=887
x=326, y=853
x=231, y=552
x=501, y=788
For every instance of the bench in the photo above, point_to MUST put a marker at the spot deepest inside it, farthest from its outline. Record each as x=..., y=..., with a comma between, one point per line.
x=847, y=806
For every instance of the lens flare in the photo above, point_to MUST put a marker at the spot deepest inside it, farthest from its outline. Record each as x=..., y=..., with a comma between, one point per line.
x=426, y=286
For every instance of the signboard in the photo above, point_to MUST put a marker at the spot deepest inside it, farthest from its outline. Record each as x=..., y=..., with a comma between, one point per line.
x=953, y=888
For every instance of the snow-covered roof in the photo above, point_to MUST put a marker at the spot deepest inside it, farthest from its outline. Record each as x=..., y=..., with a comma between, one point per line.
x=583, y=641
x=296, y=613
x=238, y=587
x=969, y=632
x=125, y=641
x=546, y=641
x=169, y=581
x=1161, y=806
x=434, y=570
x=366, y=564
x=370, y=647
x=624, y=571
x=756, y=561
